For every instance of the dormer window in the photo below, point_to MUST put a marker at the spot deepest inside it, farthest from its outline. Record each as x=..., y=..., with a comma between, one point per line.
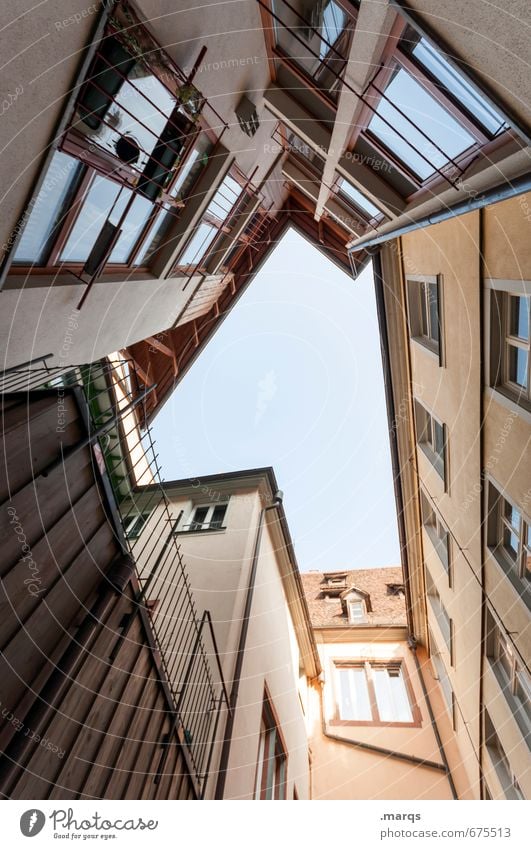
x=356, y=611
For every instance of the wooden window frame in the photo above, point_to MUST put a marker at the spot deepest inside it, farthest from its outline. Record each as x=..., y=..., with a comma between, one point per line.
x=368, y=664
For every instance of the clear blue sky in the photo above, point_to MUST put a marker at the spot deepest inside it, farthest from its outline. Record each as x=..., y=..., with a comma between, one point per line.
x=293, y=379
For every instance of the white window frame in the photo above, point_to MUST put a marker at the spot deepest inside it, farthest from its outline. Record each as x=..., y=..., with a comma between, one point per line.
x=206, y=525
x=368, y=666
x=443, y=619
x=362, y=608
x=417, y=296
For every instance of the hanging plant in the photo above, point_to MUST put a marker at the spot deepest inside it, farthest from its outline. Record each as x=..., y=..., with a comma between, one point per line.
x=192, y=99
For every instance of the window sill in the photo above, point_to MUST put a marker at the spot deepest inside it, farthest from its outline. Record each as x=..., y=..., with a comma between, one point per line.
x=434, y=462
x=506, y=399
x=368, y=723
x=516, y=712
x=520, y=585
x=200, y=531
x=432, y=351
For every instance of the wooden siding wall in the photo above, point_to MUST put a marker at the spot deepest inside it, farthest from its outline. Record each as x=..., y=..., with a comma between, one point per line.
x=112, y=718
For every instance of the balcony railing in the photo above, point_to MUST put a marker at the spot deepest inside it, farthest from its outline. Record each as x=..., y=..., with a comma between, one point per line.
x=125, y=461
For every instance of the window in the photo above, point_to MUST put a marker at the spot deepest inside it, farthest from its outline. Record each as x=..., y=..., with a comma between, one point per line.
x=207, y=517
x=135, y=524
x=369, y=209
x=509, y=537
x=431, y=438
x=442, y=676
x=455, y=83
x=510, y=356
x=373, y=692
x=271, y=768
x=356, y=611
x=405, y=115
x=314, y=37
x=511, y=674
x=501, y=763
x=441, y=615
x=424, y=295
x=436, y=530
x=215, y=216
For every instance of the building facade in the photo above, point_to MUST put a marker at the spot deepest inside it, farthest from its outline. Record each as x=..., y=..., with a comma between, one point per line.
x=234, y=538
x=372, y=730
x=454, y=311
x=153, y=170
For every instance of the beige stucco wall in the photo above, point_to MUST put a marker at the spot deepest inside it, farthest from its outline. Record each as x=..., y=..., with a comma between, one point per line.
x=453, y=394
x=218, y=565
x=342, y=771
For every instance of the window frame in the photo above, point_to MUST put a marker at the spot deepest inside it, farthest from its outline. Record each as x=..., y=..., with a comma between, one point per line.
x=497, y=523
x=427, y=446
x=500, y=339
x=443, y=677
x=131, y=531
x=271, y=772
x=497, y=641
x=433, y=531
x=368, y=664
x=417, y=304
x=193, y=527
x=443, y=619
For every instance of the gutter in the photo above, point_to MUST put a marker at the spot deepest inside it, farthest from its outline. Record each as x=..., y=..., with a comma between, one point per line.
x=502, y=192
x=393, y=444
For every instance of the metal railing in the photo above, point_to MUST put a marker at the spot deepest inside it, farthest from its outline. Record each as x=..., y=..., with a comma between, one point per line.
x=184, y=644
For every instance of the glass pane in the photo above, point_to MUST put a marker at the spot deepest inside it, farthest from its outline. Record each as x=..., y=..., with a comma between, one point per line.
x=198, y=245
x=391, y=696
x=334, y=20
x=512, y=515
x=518, y=365
x=523, y=695
x=434, y=311
x=94, y=211
x=359, y=199
x=199, y=517
x=131, y=228
x=438, y=436
x=224, y=199
x=355, y=609
x=218, y=515
x=354, y=695
x=143, y=97
x=47, y=210
x=519, y=311
x=510, y=543
x=409, y=100
x=458, y=86
x=504, y=657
